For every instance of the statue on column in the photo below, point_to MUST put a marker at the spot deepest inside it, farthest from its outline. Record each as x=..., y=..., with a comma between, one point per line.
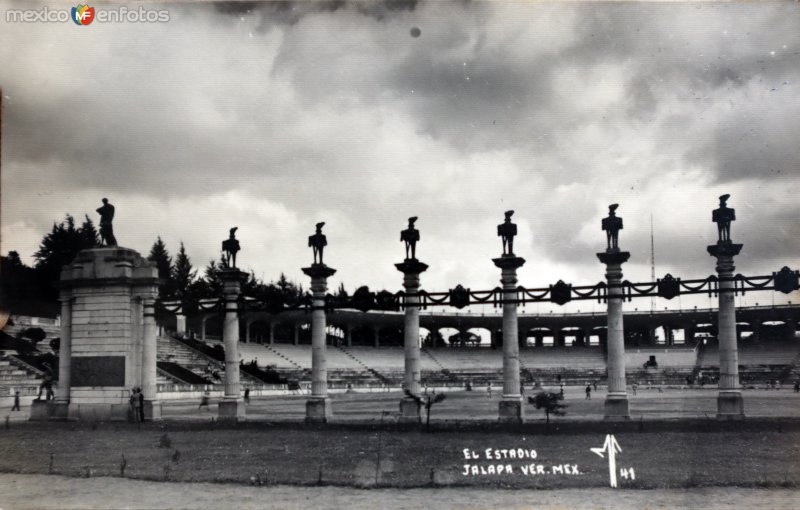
x=507, y=231
x=612, y=225
x=410, y=236
x=723, y=218
x=230, y=247
x=318, y=242
x=106, y=212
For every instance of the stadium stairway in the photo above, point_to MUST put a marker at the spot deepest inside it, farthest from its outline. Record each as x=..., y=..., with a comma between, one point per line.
x=16, y=375
x=379, y=376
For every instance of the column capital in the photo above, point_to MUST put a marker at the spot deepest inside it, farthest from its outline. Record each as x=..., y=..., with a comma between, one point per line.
x=509, y=262
x=319, y=271
x=411, y=266
x=724, y=249
x=614, y=257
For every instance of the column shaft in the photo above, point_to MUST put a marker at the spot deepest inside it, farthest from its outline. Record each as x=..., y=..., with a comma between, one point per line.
x=616, y=334
x=65, y=351
x=510, y=336
x=230, y=338
x=149, y=349
x=411, y=334
x=180, y=324
x=319, y=371
x=728, y=351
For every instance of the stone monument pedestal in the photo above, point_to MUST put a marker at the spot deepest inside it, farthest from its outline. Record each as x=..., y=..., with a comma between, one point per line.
x=231, y=410
x=111, y=340
x=616, y=407
x=730, y=406
x=318, y=410
x=410, y=411
x=152, y=410
x=42, y=410
x=510, y=410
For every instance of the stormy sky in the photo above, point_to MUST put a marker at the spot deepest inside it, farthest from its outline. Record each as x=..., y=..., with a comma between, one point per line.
x=274, y=116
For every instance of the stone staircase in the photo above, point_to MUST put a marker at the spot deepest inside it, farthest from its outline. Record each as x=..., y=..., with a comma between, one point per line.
x=377, y=375
x=14, y=377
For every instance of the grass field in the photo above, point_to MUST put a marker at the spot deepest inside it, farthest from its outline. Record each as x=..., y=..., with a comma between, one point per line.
x=661, y=452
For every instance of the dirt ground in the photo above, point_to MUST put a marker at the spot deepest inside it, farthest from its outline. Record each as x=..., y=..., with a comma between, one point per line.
x=29, y=492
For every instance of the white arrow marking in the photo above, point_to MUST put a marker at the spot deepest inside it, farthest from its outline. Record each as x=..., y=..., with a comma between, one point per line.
x=612, y=447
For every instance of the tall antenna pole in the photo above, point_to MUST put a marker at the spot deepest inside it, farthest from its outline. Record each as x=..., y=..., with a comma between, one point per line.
x=652, y=262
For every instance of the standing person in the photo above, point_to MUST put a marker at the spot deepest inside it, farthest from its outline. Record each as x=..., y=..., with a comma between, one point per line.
x=136, y=402
x=588, y=391
x=132, y=405
x=16, y=401
x=489, y=390
x=562, y=388
x=634, y=386
x=204, y=400
x=796, y=387
x=247, y=395
x=140, y=403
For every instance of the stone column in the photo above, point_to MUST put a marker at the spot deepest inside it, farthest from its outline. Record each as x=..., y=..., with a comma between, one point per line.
x=377, y=336
x=411, y=269
x=203, y=328
x=180, y=323
x=729, y=400
x=64, y=358
x=348, y=335
x=318, y=406
x=231, y=407
x=510, y=408
x=152, y=407
x=271, y=333
x=616, y=404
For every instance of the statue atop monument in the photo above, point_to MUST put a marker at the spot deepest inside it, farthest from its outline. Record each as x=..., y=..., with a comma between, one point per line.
x=612, y=225
x=318, y=242
x=507, y=231
x=410, y=236
x=230, y=246
x=723, y=218
x=106, y=212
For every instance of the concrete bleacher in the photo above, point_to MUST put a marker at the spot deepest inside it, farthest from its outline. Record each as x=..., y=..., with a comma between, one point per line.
x=677, y=357
x=563, y=357
x=753, y=354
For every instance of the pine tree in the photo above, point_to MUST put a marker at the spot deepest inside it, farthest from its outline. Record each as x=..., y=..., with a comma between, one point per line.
x=183, y=274
x=160, y=256
x=59, y=248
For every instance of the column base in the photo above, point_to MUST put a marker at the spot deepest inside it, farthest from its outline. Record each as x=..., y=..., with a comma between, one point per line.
x=410, y=411
x=318, y=410
x=42, y=410
x=730, y=406
x=60, y=411
x=616, y=407
x=231, y=410
x=510, y=411
x=152, y=410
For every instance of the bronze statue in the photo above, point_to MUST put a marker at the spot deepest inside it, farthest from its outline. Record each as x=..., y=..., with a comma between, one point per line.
x=318, y=242
x=106, y=212
x=507, y=231
x=410, y=236
x=230, y=246
x=723, y=218
x=612, y=225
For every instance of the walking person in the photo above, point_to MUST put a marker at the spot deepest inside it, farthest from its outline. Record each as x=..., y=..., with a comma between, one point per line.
x=204, y=401
x=247, y=395
x=588, y=391
x=16, y=401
